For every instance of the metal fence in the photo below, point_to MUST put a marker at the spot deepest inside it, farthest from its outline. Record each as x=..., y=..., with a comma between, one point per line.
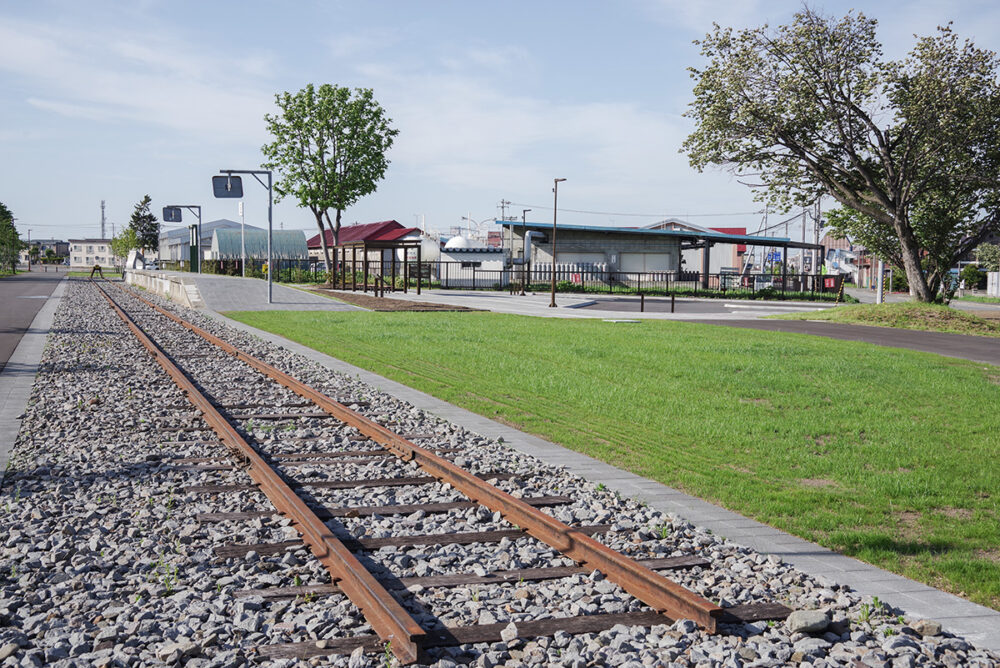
x=590, y=278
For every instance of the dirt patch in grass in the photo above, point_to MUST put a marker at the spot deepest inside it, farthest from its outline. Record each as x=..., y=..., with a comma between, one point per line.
x=817, y=482
x=989, y=555
x=756, y=402
x=907, y=315
x=956, y=513
x=909, y=524
x=386, y=303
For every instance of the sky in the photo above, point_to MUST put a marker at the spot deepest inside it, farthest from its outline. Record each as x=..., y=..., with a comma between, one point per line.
x=493, y=100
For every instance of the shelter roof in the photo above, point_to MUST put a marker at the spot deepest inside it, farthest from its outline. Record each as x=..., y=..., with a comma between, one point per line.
x=386, y=230
x=684, y=235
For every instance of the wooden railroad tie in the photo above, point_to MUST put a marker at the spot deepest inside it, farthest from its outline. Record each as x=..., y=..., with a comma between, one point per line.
x=367, y=511
x=340, y=484
x=490, y=633
x=371, y=544
x=467, y=579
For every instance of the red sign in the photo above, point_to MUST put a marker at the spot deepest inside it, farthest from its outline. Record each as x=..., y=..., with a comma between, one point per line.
x=829, y=282
x=577, y=279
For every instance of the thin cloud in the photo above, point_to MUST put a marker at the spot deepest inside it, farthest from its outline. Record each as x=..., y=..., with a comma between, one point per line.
x=135, y=77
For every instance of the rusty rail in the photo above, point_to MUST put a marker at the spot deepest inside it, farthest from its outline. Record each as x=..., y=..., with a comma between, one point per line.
x=656, y=591
x=387, y=617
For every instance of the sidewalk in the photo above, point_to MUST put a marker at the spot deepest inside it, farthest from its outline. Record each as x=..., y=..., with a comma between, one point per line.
x=977, y=624
x=590, y=306
x=18, y=374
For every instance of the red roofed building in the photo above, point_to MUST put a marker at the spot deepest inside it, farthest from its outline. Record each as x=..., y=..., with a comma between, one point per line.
x=387, y=230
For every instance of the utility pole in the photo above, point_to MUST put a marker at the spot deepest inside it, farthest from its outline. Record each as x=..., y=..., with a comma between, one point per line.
x=816, y=220
x=524, y=249
x=802, y=252
x=504, y=203
x=102, y=220
x=555, y=209
x=243, y=241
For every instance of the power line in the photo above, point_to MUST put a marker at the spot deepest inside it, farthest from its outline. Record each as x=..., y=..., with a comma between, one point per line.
x=643, y=215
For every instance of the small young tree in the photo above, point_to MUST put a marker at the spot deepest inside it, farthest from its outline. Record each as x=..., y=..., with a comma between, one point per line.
x=988, y=257
x=10, y=241
x=145, y=225
x=972, y=276
x=126, y=241
x=329, y=149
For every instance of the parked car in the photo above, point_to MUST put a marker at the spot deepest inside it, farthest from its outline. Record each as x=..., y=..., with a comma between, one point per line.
x=152, y=265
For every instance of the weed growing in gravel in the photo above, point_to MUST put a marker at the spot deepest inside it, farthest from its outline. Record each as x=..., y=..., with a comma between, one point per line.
x=601, y=487
x=165, y=573
x=387, y=657
x=874, y=609
x=298, y=581
x=664, y=531
x=475, y=594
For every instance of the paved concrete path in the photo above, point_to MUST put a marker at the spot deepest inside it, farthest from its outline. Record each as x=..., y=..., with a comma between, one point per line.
x=21, y=297
x=978, y=624
x=975, y=348
x=233, y=293
x=604, y=306
x=18, y=374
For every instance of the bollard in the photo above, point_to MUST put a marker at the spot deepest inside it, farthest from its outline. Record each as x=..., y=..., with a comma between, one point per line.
x=672, y=297
x=642, y=303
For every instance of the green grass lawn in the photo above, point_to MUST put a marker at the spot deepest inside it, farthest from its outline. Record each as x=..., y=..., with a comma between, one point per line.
x=884, y=454
x=904, y=315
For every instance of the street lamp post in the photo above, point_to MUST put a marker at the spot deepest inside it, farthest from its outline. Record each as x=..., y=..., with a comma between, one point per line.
x=229, y=186
x=524, y=249
x=555, y=208
x=172, y=214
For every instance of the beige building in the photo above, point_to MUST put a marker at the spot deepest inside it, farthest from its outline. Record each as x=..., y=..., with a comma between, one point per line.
x=88, y=252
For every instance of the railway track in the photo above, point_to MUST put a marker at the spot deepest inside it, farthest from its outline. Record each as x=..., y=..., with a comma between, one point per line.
x=298, y=475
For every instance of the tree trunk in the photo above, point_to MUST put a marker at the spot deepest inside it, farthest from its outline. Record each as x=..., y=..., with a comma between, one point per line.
x=910, y=251
x=334, y=228
x=322, y=242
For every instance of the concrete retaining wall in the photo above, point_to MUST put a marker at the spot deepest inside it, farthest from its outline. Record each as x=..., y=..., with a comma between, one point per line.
x=181, y=289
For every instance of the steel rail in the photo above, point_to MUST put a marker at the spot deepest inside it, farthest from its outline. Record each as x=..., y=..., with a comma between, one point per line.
x=386, y=616
x=663, y=595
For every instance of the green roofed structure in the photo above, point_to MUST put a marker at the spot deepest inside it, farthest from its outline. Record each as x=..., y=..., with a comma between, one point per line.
x=285, y=245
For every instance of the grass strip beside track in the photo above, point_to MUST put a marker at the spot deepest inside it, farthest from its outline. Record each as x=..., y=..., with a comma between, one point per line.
x=904, y=315
x=887, y=455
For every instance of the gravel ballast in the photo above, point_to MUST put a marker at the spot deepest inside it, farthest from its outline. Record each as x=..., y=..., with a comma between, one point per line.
x=103, y=562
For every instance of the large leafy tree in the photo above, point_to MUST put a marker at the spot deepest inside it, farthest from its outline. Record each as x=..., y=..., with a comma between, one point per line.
x=10, y=242
x=911, y=148
x=145, y=225
x=329, y=149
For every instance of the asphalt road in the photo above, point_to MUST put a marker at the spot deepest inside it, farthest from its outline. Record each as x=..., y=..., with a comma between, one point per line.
x=21, y=297
x=975, y=348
